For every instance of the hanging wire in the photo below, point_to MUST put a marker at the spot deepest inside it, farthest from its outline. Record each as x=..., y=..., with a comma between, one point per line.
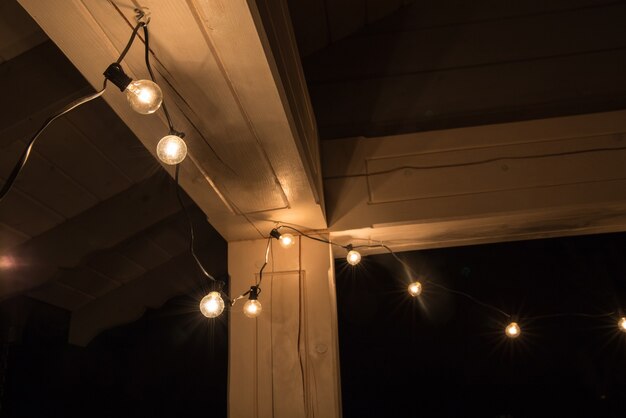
x=325, y=241
x=149, y=67
x=257, y=286
x=192, y=234
x=472, y=163
x=438, y=285
x=267, y=254
x=426, y=280
x=130, y=42
x=15, y=172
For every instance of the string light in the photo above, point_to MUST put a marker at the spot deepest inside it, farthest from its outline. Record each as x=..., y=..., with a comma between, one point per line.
x=622, y=324
x=171, y=149
x=252, y=308
x=144, y=96
x=415, y=289
x=353, y=257
x=512, y=330
x=287, y=240
x=212, y=305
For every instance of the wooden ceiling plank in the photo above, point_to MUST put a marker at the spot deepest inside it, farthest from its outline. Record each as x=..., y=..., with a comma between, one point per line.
x=60, y=295
x=378, y=9
x=422, y=14
x=174, y=237
x=345, y=17
x=309, y=17
x=22, y=213
x=114, y=140
x=151, y=290
x=448, y=48
x=115, y=265
x=69, y=149
x=143, y=252
x=21, y=80
x=471, y=96
x=18, y=32
x=10, y=237
x=87, y=281
x=105, y=225
x=60, y=192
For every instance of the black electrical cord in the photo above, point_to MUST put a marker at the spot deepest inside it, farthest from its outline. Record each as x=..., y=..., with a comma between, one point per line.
x=267, y=253
x=8, y=184
x=192, y=234
x=130, y=42
x=472, y=163
x=325, y=241
x=149, y=67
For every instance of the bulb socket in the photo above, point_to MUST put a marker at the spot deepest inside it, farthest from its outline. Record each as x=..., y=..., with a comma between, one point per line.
x=117, y=76
x=275, y=234
x=254, y=293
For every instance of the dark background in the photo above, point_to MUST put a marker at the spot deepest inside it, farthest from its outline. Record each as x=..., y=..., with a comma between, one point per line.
x=439, y=355
x=443, y=355
x=171, y=362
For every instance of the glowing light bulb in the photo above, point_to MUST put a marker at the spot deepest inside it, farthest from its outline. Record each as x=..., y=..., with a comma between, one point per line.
x=287, y=240
x=415, y=289
x=353, y=257
x=252, y=308
x=144, y=96
x=622, y=324
x=171, y=149
x=212, y=305
x=512, y=330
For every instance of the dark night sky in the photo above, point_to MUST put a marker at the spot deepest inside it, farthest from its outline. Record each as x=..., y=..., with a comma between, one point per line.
x=447, y=356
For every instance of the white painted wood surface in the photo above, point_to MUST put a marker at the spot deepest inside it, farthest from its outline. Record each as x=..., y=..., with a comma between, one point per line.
x=542, y=178
x=285, y=363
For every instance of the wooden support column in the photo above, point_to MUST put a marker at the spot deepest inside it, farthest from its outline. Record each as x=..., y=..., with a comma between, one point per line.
x=285, y=363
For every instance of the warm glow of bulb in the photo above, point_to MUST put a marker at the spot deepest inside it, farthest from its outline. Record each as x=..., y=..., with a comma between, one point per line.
x=415, y=288
x=353, y=258
x=171, y=149
x=622, y=324
x=287, y=240
x=7, y=262
x=512, y=330
x=144, y=96
x=252, y=308
x=212, y=305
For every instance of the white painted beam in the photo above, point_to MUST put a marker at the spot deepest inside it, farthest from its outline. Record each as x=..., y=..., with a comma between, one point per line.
x=551, y=177
x=245, y=164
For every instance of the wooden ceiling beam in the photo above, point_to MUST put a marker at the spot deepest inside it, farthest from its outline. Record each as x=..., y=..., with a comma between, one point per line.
x=523, y=180
x=103, y=226
x=248, y=163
